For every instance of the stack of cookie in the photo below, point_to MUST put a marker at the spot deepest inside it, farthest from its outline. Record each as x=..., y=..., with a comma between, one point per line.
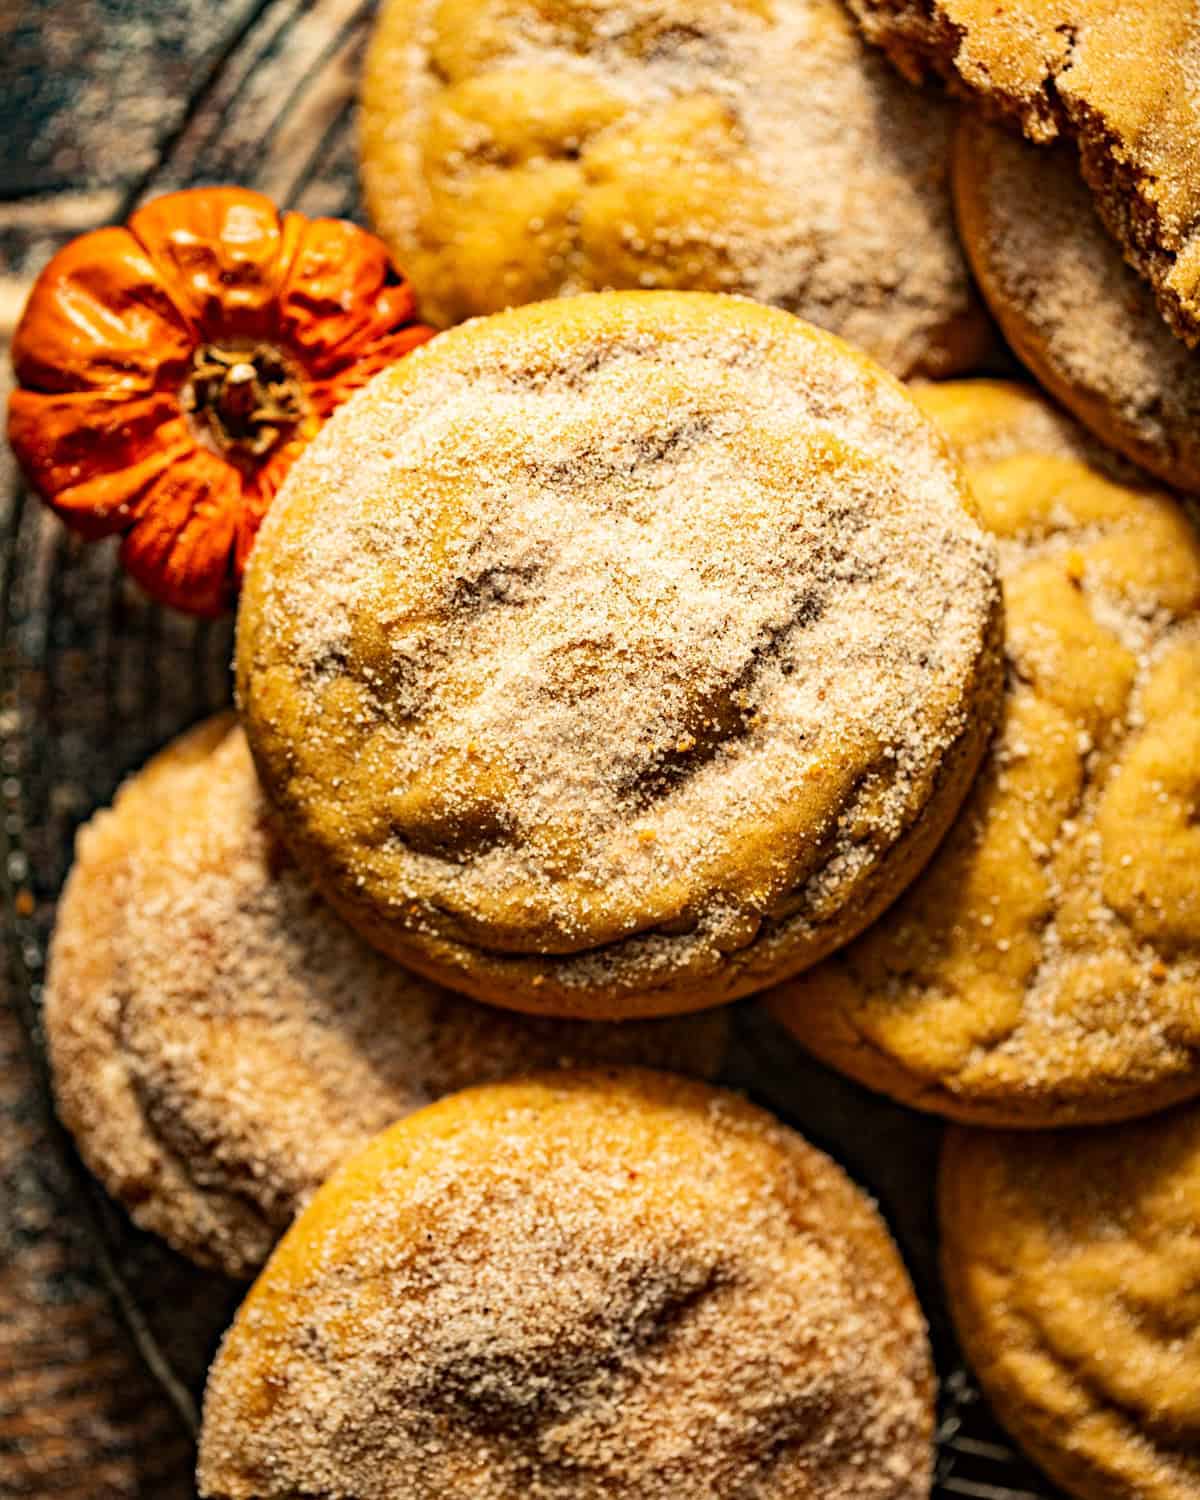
x=620, y=655
x=1044, y=970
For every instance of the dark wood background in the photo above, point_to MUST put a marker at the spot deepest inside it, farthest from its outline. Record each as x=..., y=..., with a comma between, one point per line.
x=99, y=100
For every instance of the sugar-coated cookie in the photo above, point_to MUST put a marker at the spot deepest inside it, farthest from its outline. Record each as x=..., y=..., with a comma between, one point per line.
x=520, y=149
x=1045, y=968
x=1081, y=319
x=220, y=1040
x=1072, y=1266
x=596, y=1286
x=620, y=654
x=1117, y=77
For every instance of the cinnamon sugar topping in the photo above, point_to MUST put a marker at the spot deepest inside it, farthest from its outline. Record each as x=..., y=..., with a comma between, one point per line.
x=1083, y=321
x=221, y=1040
x=617, y=618
x=520, y=149
x=613, y=1288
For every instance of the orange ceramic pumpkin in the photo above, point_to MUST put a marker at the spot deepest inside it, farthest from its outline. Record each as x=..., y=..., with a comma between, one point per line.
x=170, y=371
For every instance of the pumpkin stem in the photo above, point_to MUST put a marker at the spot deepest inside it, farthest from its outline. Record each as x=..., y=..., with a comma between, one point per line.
x=243, y=402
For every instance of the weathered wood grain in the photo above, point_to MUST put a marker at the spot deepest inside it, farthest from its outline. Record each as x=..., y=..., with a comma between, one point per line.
x=100, y=104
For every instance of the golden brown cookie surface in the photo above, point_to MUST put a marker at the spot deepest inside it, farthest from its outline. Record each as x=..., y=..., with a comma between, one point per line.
x=620, y=653
x=1045, y=968
x=220, y=1039
x=1072, y=1264
x=1116, y=77
x=1080, y=318
x=519, y=149
x=988, y=420
x=611, y=1285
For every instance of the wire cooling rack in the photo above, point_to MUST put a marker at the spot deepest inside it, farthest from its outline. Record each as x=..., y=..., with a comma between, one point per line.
x=93, y=679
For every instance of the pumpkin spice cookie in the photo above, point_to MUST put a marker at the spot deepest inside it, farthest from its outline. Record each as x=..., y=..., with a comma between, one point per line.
x=220, y=1040
x=519, y=149
x=601, y=1286
x=1115, y=77
x=620, y=654
x=1080, y=318
x=1072, y=1266
x=1045, y=968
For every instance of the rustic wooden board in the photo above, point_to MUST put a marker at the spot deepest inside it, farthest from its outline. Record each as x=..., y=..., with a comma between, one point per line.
x=101, y=103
